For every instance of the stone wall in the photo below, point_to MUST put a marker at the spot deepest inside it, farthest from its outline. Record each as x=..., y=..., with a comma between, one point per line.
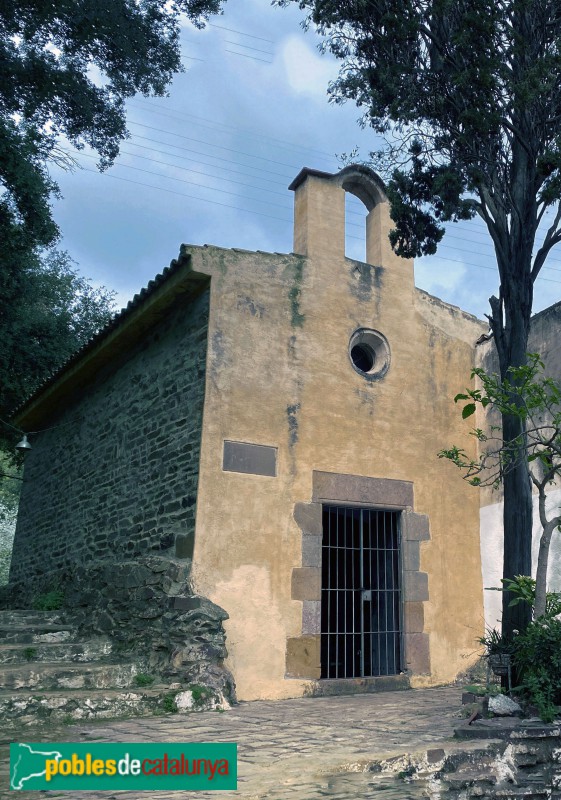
x=106, y=483
x=147, y=606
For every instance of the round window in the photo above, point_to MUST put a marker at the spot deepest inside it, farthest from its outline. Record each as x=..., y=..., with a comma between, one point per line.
x=369, y=352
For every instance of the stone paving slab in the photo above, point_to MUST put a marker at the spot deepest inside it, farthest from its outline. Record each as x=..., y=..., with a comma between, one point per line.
x=299, y=749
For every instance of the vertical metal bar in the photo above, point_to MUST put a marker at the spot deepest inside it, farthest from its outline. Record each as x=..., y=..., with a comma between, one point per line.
x=377, y=593
x=352, y=631
x=395, y=568
x=393, y=543
x=328, y=596
x=401, y=664
x=372, y=516
x=385, y=568
x=345, y=634
x=337, y=595
x=361, y=601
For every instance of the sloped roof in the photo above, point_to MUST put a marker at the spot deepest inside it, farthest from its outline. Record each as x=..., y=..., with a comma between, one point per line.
x=141, y=313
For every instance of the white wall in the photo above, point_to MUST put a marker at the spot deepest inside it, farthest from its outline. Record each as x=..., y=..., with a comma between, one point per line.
x=492, y=554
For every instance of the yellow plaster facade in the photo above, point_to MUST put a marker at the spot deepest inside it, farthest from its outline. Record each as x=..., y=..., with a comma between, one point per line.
x=279, y=374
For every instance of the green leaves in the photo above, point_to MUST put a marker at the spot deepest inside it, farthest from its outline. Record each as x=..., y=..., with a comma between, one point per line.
x=47, y=311
x=527, y=395
x=422, y=198
x=48, y=52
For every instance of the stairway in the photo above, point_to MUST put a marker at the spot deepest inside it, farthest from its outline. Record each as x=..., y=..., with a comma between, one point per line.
x=48, y=672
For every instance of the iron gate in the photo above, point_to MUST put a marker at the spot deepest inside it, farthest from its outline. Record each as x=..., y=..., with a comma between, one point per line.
x=361, y=597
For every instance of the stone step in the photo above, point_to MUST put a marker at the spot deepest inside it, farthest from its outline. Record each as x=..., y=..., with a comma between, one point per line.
x=20, y=617
x=48, y=675
x=25, y=707
x=468, y=778
x=521, y=793
x=37, y=634
x=22, y=654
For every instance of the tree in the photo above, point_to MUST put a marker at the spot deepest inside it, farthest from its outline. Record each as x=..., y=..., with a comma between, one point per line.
x=47, y=312
x=467, y=94
x=50, y=95
x=10, y=483
x=536, y=401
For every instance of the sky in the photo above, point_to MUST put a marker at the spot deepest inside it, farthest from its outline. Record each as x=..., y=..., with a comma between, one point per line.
x=211, y=163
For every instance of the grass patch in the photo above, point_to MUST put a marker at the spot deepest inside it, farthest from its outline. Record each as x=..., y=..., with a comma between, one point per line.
x=481, y=690
x=143, y=679
x=200, y=693
x=49, y=601
x=169, y=705
x=29, y=653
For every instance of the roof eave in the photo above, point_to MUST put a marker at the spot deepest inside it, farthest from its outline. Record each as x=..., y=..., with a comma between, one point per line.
x=82, y=369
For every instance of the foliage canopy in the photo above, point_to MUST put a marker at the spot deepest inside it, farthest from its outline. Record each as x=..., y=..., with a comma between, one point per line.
x=47, y=312
x=67, y=68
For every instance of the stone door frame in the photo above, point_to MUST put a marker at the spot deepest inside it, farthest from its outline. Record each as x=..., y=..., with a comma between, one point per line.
x=303, y=652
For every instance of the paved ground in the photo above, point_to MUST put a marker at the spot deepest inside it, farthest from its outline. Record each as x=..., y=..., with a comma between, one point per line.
x=296, y=749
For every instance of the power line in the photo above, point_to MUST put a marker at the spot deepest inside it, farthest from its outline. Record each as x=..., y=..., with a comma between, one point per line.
x=241, y=33
x=270, y=216
x=204, y=163
x=147, y=104
x=198, y=172
x=245, y=55
x=238, y=44
x=246, y=131
x=483, y=266
x=220, y=147
x=182, y=194
x=193, y=183
x=209, y=155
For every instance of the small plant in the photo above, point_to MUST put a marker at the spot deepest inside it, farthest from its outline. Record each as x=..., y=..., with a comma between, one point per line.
x=537, y=655
x=200, y=693
x=143, y=679
x=169, y=705
x=68, y=719
x=406, y=773
x=468, y=709
x=481, y=690
x=49, y=601
x=523, y=590
x=536, y=651
x=495, y=643
x=29, y=653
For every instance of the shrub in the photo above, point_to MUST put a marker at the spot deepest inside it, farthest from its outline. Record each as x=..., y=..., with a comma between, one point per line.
x=537, y=655
x=143, y=679
x=169, y=705
x=7, y=528
x=49, y=601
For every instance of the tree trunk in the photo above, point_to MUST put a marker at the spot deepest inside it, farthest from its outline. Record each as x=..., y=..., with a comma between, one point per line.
x=511, y=337
x=517, y=520
x=541, y=570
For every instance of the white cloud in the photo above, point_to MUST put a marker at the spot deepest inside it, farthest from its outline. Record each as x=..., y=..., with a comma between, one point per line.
x=307, y=72
x=433, y=276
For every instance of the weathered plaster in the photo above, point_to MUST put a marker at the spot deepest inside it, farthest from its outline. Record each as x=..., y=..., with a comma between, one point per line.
x=287, y=381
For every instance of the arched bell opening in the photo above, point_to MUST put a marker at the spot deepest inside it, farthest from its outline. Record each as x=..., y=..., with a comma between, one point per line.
x=364, y=195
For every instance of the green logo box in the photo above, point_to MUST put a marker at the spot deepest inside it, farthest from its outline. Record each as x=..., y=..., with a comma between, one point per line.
x=113, y=766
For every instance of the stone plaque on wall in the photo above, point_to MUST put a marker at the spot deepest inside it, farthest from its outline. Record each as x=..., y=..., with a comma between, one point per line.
x=252, y=459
